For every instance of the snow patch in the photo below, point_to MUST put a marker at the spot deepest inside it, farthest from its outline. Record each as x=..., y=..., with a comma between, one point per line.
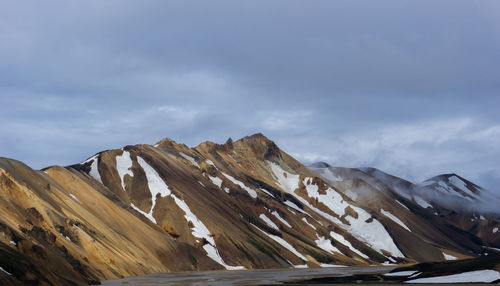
x=155, y=183
x=210, y=162
x=94, y=170
x=287, y=181
x=250, y=191
x=395, y=219
x=495, y=230
x=75, y=198
x=216, y=181
x=485, y=276
x=400, y=203
x=283, y=243
x=199, y=230
x=305, y=220
x=342, y=240
x=268, y=221
x=326, y=245
x=295, y=207
x=190, y=159
x=5, y=271
x=265, y=191
x=277, y=215
x=147, y=215
x=123, y=165
x=301, y=266
x=372, y=233
x=13, y=242
x=449, y=257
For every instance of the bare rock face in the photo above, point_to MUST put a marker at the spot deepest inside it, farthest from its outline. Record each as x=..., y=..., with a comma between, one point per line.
x=240, y=205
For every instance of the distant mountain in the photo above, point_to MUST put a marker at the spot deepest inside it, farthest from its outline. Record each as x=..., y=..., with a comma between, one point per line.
x=240, y=205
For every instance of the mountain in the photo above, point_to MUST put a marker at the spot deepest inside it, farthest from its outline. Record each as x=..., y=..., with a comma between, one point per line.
x=239, y=205
x=446, y=210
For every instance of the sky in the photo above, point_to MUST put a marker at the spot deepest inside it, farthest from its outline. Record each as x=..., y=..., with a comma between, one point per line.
x=409, y=87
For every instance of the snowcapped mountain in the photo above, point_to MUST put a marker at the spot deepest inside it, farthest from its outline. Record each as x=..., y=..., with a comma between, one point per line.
x=445, y=207
x=240, y=205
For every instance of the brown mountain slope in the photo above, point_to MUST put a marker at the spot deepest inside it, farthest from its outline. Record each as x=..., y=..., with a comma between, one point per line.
x=69, y=232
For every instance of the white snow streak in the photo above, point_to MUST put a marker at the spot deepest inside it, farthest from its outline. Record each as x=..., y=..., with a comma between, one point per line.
x=268, y=221
x=190, y=159
x=94, y=171
x=295, y=207
x=250, y=191
x=372, y=233
x=75, y=198
x=283, y=243
x=326, y=245
x=449, y=257
x=345, y=242
x=5, y=271
x=155, y=183
x=277, y=215
x=402, y=205
x=287, y=181
x=305, y=220
x=216, y=181
x=265, y=191
x=395, y=219
x=123, y=165
x=199, y=230
x=147, y=215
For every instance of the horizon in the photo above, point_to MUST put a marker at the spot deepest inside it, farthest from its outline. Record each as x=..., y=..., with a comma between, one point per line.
x=327, y=81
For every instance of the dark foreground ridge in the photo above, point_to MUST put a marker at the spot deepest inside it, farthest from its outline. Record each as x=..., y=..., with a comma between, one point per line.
x=420, y=271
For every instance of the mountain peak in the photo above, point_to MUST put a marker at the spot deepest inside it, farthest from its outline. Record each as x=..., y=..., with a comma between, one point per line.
x=261, y=145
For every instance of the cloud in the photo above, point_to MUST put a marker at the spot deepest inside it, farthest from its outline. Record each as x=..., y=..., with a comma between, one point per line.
x=334, y=81
x=414, y=151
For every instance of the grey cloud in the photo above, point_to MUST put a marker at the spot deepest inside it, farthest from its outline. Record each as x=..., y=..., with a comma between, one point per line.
x=320, y=78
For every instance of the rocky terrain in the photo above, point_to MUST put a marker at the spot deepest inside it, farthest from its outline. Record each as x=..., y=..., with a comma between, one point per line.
x=240, y=205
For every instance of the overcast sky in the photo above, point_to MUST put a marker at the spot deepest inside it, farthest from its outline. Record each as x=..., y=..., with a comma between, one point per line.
x=410, y=87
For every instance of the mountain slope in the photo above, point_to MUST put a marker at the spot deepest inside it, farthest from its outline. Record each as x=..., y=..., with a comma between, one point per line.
x=436, y=215
x=239, y=205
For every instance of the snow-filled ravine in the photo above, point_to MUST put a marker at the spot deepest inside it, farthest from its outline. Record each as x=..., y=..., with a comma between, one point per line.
x=123, y=166
x=250, y=191
x=157, y=186
x=372, y=233
x=94, y=171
